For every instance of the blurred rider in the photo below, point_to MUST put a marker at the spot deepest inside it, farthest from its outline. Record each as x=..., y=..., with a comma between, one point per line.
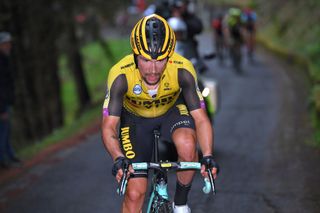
x=233, y=31
x=249, y=18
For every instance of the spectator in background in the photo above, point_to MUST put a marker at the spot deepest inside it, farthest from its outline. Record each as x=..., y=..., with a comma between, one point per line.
x=194, y=23
x=7, y=155
x=217, y=27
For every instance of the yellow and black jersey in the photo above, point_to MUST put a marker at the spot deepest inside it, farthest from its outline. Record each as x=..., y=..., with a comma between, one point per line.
x=125, y=88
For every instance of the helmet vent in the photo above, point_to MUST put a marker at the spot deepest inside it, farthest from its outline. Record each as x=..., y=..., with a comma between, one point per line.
x=155, y=38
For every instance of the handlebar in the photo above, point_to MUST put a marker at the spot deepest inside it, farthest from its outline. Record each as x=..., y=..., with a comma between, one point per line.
x=178, y=166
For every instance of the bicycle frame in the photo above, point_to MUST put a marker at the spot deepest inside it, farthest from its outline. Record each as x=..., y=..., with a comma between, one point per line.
x=159, y=180
x=159, y=189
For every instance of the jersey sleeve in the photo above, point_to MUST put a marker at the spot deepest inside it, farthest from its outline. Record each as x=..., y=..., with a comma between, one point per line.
x=190, y=90
x=116, y=89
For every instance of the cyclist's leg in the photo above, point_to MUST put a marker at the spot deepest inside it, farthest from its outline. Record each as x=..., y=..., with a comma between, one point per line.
x=185, y=142
x=135, y=194
x=136, y=135
x=181, y=127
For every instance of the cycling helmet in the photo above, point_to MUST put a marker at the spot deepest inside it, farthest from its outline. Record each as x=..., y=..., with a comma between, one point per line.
x=153, y=38
x=235, y=12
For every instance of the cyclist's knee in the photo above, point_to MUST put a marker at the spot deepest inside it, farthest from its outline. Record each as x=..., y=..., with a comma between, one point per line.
x=134, y=196
x=136, y=190
x=186, y=148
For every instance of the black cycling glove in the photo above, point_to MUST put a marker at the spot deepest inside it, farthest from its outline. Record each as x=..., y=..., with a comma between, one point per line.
x=120, y=163
x=209, y=162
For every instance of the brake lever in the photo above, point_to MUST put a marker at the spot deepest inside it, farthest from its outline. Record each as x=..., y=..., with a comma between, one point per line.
x=211, y=179
x=124, y=180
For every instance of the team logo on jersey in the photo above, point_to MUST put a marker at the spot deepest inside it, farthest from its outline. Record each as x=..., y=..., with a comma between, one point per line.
x=137, y=89
x=167, y=86
x=177, y=62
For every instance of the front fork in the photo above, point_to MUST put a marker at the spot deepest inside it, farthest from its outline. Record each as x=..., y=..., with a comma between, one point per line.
x=159, y=189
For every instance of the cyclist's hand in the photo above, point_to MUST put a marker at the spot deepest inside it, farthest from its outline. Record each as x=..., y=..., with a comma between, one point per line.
x=209, y=163
x=119, y=166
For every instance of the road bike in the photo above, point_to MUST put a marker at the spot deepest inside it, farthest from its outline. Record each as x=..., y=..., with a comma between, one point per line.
x=159, y=201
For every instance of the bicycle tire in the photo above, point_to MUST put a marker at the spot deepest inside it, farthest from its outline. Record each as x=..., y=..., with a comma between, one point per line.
x=161, y=205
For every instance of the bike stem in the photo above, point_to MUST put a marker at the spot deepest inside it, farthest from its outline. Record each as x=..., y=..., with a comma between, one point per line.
x=155, y=147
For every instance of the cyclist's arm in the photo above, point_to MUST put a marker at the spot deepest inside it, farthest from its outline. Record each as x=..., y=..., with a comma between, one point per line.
x=203, y=126
x=111, y=116
x=204, y=131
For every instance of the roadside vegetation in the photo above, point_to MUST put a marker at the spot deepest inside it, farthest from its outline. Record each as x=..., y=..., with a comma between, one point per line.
x=291, y=29
x=96, y=66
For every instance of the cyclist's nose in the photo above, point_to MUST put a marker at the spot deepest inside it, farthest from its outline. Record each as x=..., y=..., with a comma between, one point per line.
x=153, y=67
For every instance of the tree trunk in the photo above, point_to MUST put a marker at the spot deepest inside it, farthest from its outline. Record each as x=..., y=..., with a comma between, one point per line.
x=75, y=57
x=75, y=63
x=38, y=107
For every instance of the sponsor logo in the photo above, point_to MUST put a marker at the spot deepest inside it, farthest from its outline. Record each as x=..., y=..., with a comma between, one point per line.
x=126, y=143
x=177, y=62
x=167, y=86
x=127, y=65
x=180, y=123
x=164, y=100
x=137, y=89
x=183, y=109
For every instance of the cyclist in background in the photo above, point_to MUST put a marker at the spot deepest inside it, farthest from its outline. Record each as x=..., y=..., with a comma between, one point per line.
x=217, y=26
x=154, y=88
x=249, y=18
x=234, y=33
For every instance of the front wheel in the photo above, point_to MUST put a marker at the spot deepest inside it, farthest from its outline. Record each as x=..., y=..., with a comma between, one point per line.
x=161, y=205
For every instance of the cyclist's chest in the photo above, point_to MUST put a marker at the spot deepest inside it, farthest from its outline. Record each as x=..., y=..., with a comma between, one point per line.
x=138, y=94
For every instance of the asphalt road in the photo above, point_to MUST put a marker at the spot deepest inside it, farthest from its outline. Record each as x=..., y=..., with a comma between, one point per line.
x=261, y=136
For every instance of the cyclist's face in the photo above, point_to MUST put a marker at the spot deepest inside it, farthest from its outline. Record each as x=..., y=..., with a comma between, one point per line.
x=151, y=70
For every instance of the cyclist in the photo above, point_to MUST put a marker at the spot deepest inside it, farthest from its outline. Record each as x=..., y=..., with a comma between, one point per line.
x=217, y=27
x=234, y=33
x=249, y=18
x=154, y=88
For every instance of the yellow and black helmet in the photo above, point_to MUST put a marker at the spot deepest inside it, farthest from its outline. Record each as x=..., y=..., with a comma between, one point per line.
x=153, y=38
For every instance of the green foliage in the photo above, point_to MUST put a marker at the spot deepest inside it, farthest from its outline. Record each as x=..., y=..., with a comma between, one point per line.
x=61, y=134
x=96, y=70
x=293, y=29
x=96, y=67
